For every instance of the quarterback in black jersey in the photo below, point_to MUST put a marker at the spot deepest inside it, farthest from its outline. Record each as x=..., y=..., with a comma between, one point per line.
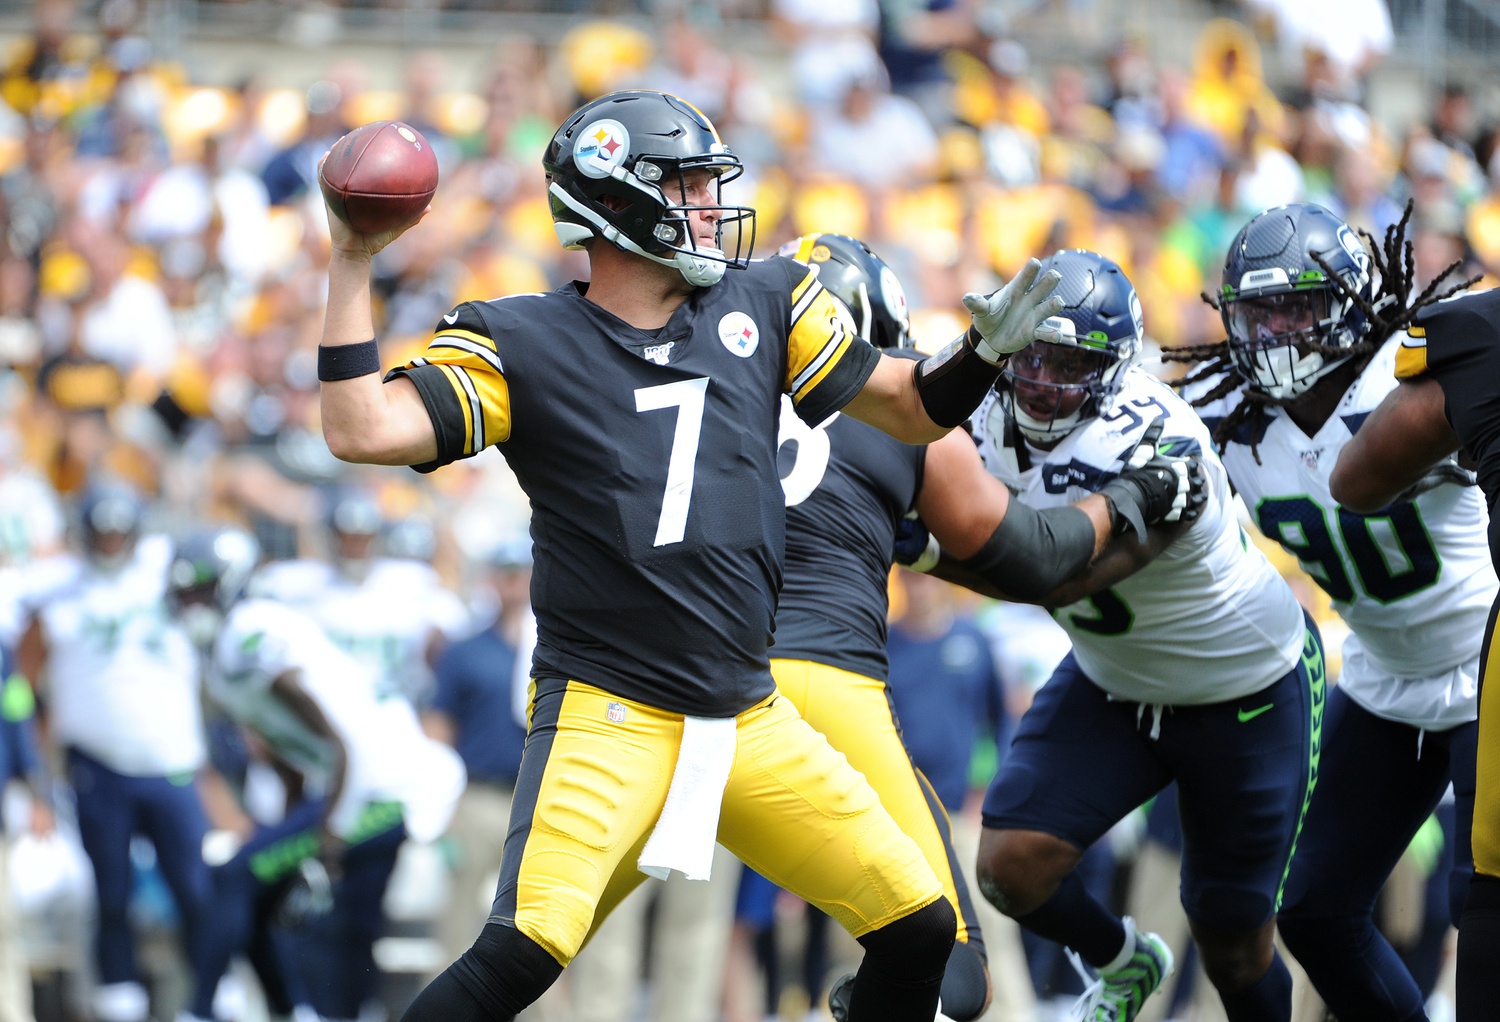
x=848, y=487
x=1449, y=399
x=639, y=412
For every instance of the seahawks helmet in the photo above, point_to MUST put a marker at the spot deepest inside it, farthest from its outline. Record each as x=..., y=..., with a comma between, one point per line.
x=108, y=510
x=355, y=526
x=208, y=574
x=1276, y=298
x=1051, y=387
x=615, y=170
x=861, y=280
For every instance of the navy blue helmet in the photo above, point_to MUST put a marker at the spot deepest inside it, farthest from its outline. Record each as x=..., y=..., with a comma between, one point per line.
x=1278, y=303
x=1052, y=386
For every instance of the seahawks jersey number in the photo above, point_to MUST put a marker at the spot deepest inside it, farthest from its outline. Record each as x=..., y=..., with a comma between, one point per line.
x=687, y=396
x=1301, y=526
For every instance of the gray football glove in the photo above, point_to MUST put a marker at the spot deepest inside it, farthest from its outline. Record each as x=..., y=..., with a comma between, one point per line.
x=1008, y=319
x=1447, y=472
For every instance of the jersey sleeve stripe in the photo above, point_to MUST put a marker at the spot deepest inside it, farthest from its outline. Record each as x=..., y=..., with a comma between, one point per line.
x=1411, y=357
x=801, y=305
x=815, y=371
x=475, y=409
x=485, y=353
x=808, y=281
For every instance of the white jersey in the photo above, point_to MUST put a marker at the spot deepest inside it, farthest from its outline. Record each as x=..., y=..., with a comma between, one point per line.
x=122, y=675
x=1413, y=582
x=386, y=620
x=1208, y=620
x=389, y=758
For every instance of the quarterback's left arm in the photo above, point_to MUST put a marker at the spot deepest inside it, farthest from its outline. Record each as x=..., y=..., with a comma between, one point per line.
x=917, y=403
x=1395, y=447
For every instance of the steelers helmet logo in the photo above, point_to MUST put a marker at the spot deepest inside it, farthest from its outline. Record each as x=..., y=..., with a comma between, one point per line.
x=600, y=148
x=739, y=334
x=895, y=296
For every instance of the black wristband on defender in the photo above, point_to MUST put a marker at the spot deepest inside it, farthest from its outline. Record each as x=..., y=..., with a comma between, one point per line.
x=1033, y=552
x=953, y=382
x=346, y=361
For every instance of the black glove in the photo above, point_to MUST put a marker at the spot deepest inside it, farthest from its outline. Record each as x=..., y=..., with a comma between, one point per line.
x=1154, y=487
x=1445, y=473
x=914, y=546
x=308, y=897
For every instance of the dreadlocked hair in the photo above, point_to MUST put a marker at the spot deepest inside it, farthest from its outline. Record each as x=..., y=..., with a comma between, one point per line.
x=1391, y=309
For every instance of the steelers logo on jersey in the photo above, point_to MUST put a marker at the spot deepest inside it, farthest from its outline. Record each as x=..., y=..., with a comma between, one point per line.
x=739, y=334
x=600, y=148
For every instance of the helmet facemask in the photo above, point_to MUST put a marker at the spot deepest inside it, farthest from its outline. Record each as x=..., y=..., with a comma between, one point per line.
x=1281, y=342
x=1050, y=388
x=1286, y=300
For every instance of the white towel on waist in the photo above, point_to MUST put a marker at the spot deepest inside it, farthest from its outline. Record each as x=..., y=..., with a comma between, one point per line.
x=685, y=832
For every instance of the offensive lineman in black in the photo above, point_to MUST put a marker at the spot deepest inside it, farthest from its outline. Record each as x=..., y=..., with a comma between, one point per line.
x=848, y=487
x=1449, y=368
x=639, y=412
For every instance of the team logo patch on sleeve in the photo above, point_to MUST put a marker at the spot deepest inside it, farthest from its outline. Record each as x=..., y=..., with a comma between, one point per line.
x=739, y=334
x=600, y=148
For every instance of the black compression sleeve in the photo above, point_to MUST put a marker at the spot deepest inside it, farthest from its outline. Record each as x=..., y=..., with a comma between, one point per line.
x=1033, y=552
x=953, y=382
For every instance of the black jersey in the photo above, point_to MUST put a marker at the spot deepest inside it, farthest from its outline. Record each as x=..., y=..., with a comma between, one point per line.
x=650, y=462
x=847, y=485
x=1458, y=343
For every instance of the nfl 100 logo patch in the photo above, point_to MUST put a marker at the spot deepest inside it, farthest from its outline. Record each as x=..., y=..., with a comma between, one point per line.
x=615, y=712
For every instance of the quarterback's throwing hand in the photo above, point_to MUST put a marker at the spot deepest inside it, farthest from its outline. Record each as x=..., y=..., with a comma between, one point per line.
x=1154, y=487
x=1007, y=320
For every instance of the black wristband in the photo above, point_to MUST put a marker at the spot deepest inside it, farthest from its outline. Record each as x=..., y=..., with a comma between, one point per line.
x=953, y=382
x=346, y=361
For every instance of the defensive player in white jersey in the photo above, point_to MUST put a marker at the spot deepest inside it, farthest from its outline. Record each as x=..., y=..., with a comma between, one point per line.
x=1308, y=363
x=368, y=777
x=119, y=680
x=1191, y=661
x=392, y=615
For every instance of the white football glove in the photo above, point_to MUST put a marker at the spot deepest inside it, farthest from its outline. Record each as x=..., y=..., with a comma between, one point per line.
x=1007, y=320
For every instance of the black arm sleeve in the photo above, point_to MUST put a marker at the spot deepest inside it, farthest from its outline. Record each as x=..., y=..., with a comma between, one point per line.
x=1033, y=552
x=953, y=382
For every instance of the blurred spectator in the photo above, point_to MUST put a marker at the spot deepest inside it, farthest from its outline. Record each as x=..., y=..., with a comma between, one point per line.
x=827, y=42
x=293, y=171
x=873, y=138
x=472, y=710
x=1192, y=154
x=914, y=36
x=1227, y=84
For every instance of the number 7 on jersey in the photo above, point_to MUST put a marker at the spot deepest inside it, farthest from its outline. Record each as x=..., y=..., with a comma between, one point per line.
x=687, y=396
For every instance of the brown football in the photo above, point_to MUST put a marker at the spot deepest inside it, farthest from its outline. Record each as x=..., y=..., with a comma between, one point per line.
x=379, y=176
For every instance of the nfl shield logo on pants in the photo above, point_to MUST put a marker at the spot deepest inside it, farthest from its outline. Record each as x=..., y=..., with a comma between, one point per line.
x=615, y=712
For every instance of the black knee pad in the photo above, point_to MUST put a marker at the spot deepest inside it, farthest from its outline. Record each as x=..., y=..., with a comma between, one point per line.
x=914, y=947
x=966, y=983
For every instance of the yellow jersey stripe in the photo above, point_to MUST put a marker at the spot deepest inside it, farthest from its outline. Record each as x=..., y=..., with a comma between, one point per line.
x=801, y=289
x=468, y=335
x=1411, y=357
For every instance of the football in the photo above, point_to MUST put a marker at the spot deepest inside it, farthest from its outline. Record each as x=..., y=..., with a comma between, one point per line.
x=379, y=176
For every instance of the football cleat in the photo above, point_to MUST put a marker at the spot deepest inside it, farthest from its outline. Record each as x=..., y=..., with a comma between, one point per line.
x=1118, y=994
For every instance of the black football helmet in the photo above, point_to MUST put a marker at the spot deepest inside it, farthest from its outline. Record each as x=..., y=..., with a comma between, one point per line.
x=615, y=170
x=110, y=514
x=1276, y=297
x=1098, y=336
x=862, y=281
x=210, y=570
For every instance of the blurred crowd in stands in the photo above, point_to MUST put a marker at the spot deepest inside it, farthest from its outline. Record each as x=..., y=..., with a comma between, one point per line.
x=162, y=262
